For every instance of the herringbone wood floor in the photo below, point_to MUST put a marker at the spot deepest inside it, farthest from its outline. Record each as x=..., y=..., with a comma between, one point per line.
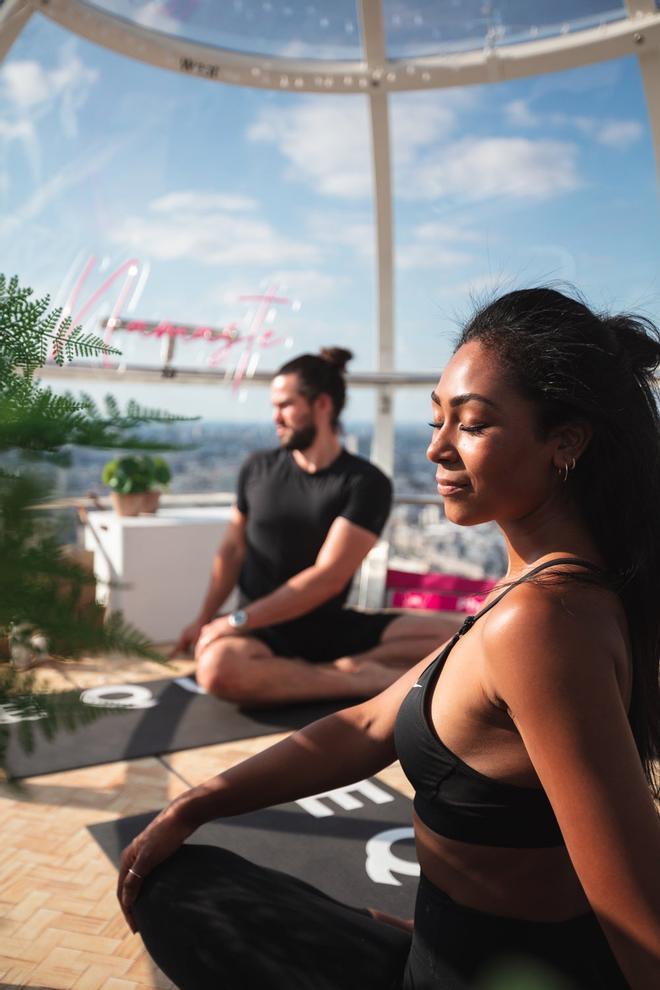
x=60, y=927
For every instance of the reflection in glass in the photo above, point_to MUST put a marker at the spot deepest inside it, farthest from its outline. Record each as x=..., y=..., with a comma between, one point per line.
x=293, y=28
x=426, y=27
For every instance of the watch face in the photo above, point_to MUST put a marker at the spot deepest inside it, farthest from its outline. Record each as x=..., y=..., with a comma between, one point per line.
x=238, y=619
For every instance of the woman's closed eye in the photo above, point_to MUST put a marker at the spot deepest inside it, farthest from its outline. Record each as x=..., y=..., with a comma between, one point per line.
x=477, y=428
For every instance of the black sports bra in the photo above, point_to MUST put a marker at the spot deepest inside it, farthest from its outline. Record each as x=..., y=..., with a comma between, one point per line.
x=452, y=798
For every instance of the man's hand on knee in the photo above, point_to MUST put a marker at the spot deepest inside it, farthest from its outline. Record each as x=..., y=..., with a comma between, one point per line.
x=217, y=629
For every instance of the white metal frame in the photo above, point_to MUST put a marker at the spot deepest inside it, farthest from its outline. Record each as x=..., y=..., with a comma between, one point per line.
x=552, y=54
x=375, y=76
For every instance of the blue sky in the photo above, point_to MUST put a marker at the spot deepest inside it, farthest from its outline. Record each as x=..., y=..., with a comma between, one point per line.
x=218, y=191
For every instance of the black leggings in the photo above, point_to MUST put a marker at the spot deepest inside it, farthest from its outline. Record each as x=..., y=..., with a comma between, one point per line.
x=214, y=921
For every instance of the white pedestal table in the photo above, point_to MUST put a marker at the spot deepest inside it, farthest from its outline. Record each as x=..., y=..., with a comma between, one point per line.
x=163, y=563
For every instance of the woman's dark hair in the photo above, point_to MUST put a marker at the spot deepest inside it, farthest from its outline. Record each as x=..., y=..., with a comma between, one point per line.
x=319, y=374
x=575, y=364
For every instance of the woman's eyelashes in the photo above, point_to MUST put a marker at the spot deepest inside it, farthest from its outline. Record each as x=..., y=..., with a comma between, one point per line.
x=477, y=429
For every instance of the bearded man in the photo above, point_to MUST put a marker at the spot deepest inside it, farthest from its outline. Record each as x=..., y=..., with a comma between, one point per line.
x=306, y=515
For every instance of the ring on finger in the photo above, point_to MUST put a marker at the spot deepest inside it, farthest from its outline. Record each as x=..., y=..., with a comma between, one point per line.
x=135, y=873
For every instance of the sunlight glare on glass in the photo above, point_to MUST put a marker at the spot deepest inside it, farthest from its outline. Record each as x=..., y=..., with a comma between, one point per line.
x=326, y=29
x=426, y=27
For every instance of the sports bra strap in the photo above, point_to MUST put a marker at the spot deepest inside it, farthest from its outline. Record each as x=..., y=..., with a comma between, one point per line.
x=471, y=619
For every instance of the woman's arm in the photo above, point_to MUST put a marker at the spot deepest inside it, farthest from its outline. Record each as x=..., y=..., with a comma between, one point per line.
x=555, y=670
x=333, y=752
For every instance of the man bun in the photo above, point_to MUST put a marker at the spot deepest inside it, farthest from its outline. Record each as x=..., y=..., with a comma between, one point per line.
x=338, y=356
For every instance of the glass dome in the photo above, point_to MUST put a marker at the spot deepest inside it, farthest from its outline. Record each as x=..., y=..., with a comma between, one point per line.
x=210, y=184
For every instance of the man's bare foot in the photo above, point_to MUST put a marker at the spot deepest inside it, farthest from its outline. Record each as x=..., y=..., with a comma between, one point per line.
x=347, y=664
x=375, y=675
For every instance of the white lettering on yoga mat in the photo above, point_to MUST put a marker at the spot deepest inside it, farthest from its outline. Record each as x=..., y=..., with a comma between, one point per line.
x=345, y=798
x=119, y=696
x=381, y=862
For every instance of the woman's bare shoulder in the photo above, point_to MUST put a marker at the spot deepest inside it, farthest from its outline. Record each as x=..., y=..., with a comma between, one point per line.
x=553, y=628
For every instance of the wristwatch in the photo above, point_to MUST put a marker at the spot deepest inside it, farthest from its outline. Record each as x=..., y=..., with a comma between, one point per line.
x=238, y=619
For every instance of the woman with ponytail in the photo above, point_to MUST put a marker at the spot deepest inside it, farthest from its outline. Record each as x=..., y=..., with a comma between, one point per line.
x=531, y=738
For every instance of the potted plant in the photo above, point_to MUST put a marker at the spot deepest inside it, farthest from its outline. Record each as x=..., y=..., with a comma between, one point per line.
x=160, y=476
x=135, y=483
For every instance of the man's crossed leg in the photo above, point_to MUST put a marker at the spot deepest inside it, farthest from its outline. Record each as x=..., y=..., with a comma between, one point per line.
x=246, y=670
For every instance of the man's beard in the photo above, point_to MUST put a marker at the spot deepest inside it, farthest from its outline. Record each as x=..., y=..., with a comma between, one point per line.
x=301, y=439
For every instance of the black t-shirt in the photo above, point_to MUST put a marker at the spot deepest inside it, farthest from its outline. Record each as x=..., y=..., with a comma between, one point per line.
x=289, y=512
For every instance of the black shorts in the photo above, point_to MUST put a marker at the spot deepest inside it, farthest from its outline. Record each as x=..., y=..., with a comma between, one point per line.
x=322, y=638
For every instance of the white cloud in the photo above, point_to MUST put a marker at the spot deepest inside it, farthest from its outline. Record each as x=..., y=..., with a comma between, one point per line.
x=327, y=140
x=196, y=202
x=155, y=14
x=479, y=168
x=213, y=235
x=420, y=121
x=619, y=133
x=52, y=188
x=306, y=285
x=301, y=285
x=436, y=230
x=24, y=84
x=355, y=232
x=610, y=132
x=28, y=90
x=416, y=256
x=27, y=85
x=327, y=144
x=12, y=130
x=436, y=245
x=518, y=114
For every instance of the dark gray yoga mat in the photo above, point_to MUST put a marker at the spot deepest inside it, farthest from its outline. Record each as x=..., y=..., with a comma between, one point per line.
x=160, y=717
x=354, y=844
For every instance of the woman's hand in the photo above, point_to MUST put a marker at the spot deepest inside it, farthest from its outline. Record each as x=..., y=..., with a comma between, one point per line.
x=158, y=842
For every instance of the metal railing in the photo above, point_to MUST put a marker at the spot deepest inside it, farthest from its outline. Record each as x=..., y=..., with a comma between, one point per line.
x=192, y=499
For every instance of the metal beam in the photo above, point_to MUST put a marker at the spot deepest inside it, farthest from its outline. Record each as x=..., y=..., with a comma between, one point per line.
x=14, y=15
x=373, y=39
x=487, y=64
x=649, y=65
x=639, y=7
x=149, y=374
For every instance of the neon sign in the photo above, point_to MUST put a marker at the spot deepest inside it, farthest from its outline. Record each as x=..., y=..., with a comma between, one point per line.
x=257, y=337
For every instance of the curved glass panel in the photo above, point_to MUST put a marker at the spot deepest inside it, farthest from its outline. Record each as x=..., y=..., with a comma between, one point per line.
x=426, y=27
x=326, y=29
x=510, y=185
x=228, y=223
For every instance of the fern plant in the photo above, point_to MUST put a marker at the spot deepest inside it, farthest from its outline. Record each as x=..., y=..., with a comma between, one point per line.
x=40, y=588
